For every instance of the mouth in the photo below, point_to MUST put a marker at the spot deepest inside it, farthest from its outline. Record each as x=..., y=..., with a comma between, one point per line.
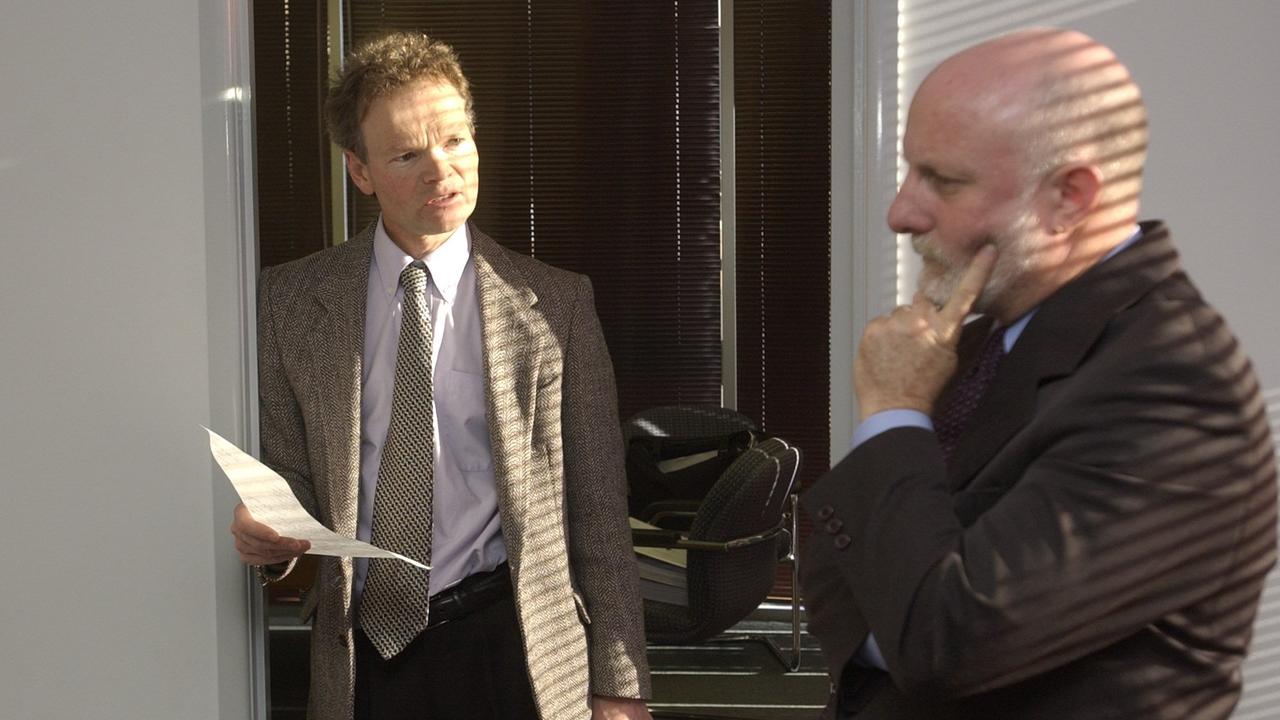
x=928, y=252
x=445, y=199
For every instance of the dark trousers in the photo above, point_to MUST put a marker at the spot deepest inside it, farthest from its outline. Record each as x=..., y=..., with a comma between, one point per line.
x=863, y=693
x=469, y=668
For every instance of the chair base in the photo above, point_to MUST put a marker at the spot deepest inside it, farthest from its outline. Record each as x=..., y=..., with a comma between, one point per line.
x=790, y=661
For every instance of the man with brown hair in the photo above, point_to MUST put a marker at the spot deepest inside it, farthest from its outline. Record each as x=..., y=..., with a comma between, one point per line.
x=1066, y=507
x=430, y=391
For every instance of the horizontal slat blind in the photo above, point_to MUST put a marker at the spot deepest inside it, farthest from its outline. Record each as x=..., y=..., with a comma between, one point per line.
x=782, y=92
x=292, y=151
x=598, y=129
x=782, y=105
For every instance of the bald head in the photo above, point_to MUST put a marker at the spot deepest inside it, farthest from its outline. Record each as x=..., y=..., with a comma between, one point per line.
x=1033, y=142
x=1059, y=97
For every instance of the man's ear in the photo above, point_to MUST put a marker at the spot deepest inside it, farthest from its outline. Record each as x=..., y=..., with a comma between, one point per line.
x=1076, y=191
x=359, y=172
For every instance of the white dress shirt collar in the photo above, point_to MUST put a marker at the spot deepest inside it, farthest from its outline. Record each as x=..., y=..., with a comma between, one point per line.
x=445, y=262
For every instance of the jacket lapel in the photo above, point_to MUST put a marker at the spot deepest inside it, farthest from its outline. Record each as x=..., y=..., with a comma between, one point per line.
x=1056, y=340
x=336, y=342
x=510, y=370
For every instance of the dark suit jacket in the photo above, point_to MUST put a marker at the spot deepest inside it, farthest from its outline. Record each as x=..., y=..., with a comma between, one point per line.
x=1096, y=548
x=557, y=460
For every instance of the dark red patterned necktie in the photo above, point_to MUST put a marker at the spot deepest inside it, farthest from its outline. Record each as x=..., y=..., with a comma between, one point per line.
x=957, y=407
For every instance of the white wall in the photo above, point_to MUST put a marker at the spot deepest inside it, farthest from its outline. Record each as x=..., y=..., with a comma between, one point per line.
x=121, y=329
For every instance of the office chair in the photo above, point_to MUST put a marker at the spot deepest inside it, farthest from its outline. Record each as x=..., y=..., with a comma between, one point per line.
x=685, y=421
x=738, y=534
x=675, y=453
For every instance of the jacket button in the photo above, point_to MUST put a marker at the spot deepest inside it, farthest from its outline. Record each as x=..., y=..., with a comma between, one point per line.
x=834, y=525
x=825, y=512
x=342, y=639
x=842, y=541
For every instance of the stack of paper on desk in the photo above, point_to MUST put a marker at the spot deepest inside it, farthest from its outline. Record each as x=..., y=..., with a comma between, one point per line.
x=662, y=571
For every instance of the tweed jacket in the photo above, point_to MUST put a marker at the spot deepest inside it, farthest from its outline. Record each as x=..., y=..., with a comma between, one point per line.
x=1096, y=547
x=557, y=459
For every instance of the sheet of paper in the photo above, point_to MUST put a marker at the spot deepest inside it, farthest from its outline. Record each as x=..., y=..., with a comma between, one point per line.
x=272, y=503
x=671, y=556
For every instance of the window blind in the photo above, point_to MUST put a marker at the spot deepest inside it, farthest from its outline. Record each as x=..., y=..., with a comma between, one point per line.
x=291, y=150
x=782, y=105
x=598, y=129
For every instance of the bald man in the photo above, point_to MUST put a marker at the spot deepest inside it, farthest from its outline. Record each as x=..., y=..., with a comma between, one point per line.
x=1066, y=507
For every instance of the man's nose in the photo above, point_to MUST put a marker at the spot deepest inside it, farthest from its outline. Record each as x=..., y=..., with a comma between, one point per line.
x=436, y=167
x=905, y=214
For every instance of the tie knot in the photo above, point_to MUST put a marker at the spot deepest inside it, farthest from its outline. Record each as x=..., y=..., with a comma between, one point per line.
x=414, y=277
x=993, y=350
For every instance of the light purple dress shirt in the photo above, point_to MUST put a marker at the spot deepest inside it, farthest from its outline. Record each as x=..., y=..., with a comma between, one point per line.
x=466, y=536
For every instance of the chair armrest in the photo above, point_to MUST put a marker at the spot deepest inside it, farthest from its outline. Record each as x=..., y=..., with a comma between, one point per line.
x=662, y=512
x=662, y=516
x=641, y=537
x=644, y=537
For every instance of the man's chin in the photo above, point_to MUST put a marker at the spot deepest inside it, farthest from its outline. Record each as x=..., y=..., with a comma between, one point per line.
x=936, y=290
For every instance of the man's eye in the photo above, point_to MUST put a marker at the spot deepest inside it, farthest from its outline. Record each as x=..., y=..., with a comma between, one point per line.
x=455, y=142
x=942, y=183
x=405, y=157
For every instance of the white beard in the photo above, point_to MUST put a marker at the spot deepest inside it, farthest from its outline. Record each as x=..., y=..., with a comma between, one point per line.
x=1017, y=249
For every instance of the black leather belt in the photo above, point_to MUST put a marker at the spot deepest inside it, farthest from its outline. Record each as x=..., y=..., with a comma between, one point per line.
x=473, y=593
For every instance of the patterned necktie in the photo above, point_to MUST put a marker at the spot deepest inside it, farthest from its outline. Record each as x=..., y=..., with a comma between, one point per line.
x=957, y=407
x=393, y=609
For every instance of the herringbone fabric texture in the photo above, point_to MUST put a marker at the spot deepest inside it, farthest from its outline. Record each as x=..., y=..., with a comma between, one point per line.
x=557, y=458
x=393, y=609
x=952, y=417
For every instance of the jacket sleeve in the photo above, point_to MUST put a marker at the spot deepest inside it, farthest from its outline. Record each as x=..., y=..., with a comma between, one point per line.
x=601, y=554
x=1148, y=487
x=282, y=433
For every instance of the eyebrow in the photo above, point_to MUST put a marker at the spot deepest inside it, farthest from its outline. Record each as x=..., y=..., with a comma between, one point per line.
x=413, y=142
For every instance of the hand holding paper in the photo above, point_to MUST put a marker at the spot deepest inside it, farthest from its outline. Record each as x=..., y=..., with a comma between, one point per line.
x=269, y=499
x=259, y=544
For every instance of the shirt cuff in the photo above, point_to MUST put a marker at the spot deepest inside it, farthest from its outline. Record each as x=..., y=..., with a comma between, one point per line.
x=889, y=420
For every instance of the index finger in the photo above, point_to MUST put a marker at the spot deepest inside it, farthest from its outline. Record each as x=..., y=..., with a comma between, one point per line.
x=969, y=288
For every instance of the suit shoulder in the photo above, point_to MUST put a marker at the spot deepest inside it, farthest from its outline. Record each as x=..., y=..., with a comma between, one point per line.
x=549, y=277
x=312, y=265
x=542, y=277
x=1175, y=322
x=305, y=273
x=1172, y=345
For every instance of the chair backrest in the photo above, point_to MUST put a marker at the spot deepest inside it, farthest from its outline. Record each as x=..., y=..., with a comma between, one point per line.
x=675, y=454
x=750, y=495
x=749, y=498
x=685, y=421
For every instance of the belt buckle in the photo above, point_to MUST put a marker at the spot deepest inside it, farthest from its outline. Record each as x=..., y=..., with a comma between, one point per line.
x=446, y=608
x=464, y=598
